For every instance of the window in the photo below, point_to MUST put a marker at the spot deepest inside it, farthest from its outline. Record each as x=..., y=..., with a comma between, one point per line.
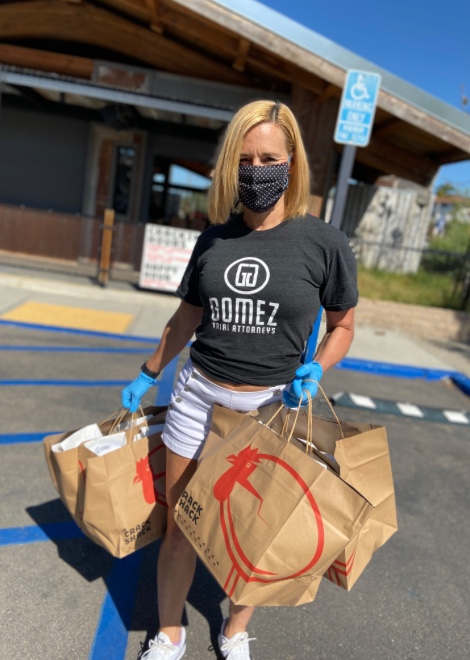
x=179, y=196
x=123, y=176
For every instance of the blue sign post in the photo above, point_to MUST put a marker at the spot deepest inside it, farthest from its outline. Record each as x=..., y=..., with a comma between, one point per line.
x=357, y=108
x=353, y=129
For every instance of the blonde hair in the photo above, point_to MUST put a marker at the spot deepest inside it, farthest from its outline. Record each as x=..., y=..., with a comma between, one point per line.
x=223, y=193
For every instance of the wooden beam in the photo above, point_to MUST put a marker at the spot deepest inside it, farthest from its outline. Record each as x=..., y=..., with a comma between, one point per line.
x=450, y=156
x=260, y=60
x=130, y=7
x=383, y=126
x=240, y=61
x=317, y=122
x=262, y=68
x=30, y=58
x=154, y=7
x=328, y=93
x=279, y=47
x=312, y=63
x=390, y=159
x=92, y=25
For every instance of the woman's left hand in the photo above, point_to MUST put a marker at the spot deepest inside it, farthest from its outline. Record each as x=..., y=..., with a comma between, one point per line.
x=307, y=377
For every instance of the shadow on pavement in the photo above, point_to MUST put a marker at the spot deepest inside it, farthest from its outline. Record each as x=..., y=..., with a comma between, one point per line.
x=205, y=596
x=131, y=582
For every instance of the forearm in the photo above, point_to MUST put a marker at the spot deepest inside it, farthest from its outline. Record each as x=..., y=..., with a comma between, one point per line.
x=338, y=338
x=175, y=337
x=334, y=346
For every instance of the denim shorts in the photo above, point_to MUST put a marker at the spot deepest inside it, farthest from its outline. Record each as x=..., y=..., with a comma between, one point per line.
x=189, y=415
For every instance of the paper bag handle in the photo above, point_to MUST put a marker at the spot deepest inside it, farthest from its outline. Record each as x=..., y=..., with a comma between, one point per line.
x=329, y=404
x=119, y=415
x=309, y=439
x=309, y=443
x=284, y=426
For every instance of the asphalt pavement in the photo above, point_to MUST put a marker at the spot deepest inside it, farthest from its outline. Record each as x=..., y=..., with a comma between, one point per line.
x=62, y=337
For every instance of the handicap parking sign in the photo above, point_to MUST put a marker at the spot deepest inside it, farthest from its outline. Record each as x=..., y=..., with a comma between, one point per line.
x=357, y=108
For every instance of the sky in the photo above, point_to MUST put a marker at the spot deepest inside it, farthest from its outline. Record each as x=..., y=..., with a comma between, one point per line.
x=425, y=42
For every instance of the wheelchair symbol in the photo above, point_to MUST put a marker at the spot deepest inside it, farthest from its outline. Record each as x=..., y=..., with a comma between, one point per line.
x=359, y=90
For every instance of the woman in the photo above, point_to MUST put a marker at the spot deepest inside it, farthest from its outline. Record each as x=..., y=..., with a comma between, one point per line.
x=251, y=293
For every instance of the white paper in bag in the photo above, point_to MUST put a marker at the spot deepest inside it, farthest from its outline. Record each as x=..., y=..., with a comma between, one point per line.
x=78, y=437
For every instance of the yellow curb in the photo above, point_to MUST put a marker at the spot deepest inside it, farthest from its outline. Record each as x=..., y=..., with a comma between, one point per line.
x=69, y=317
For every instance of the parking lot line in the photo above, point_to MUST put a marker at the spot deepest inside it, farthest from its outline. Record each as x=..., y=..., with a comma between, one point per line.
x=402, y=408
x=115, y=618
x=59, y=531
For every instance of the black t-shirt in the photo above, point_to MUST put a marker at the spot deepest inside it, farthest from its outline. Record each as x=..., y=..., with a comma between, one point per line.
x=261, y=292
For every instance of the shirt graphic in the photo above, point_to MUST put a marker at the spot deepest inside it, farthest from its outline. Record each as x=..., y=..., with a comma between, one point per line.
x=261, y=292
x=246, y=276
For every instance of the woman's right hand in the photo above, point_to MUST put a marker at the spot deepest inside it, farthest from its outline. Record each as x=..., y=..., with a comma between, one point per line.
x=133, y=393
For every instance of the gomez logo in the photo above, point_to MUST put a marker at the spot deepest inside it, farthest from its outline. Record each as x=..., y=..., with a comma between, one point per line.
x=247, y=275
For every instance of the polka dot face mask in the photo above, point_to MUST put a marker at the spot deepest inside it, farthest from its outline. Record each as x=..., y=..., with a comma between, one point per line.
x=260, y=186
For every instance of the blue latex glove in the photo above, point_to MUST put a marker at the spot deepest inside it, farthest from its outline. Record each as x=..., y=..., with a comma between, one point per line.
x=312, y=371
x=133, y=393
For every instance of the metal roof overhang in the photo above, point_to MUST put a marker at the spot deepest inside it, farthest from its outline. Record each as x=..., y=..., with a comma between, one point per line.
x=90, y=90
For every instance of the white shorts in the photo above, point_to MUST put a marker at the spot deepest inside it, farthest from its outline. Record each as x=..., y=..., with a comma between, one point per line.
x=189, y=415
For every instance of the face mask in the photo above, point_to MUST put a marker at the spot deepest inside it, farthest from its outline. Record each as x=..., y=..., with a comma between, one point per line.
x=261, y=186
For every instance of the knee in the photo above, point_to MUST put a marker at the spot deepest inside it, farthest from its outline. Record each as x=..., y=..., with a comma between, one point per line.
x=177, y=541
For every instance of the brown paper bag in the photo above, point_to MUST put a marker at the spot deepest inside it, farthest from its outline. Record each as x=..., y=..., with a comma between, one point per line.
x=125, y=505
x=64, y=468
x=359, y=453
x=265, y=518
x=130, y=511
x=364, y=463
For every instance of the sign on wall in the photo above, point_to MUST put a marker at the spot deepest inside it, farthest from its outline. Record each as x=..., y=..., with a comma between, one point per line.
x=357, y=108
x=165, y=255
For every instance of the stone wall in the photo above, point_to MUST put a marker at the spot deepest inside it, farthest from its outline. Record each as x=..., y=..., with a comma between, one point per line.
x=426, y=322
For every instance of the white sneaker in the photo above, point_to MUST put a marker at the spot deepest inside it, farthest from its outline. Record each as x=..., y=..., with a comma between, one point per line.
x=162, y=648
x=236, y=647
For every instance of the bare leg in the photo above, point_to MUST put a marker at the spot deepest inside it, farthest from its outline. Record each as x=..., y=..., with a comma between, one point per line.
x=238, y=618
x=177, y=559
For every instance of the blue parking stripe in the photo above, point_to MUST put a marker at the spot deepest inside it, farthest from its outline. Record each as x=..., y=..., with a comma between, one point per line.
x=18, y=438
x=73, y=349
x=63, y=383
x=60, y=531
x=76, y=331
x=117, y=609
x=393, y=370
x=462, y=382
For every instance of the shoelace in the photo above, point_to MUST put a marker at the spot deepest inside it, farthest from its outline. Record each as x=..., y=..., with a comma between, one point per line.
x=158, y=645
x=237, y=644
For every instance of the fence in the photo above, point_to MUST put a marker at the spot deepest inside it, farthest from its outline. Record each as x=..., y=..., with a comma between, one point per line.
x=72, y=239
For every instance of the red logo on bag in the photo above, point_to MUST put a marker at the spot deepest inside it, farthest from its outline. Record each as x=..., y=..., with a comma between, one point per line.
x=244, y=464
x=148, y=478
x=338, y=568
